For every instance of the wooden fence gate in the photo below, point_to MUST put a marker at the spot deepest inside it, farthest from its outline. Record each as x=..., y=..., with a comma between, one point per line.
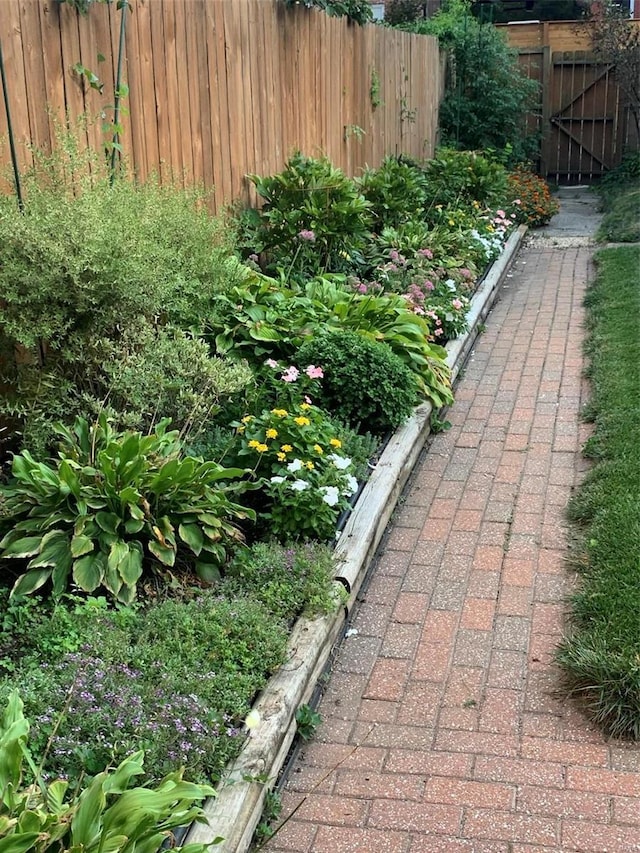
x=581, y=117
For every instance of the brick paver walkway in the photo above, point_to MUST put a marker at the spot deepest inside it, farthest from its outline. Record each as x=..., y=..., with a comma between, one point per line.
x=443, y=727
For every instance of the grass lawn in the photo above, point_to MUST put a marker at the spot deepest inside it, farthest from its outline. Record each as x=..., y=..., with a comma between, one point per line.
x=602, y=657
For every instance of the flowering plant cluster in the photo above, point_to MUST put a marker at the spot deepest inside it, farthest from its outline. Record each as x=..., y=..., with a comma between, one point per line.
x=532, y=201
x=305, y=478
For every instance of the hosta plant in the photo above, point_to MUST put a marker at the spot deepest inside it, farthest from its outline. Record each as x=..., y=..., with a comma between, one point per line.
x=107, y=815
x=114, y=504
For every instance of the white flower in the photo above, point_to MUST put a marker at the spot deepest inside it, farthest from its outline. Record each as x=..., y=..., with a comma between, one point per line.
x=278, y=479
x=294, y=466
x=450, y=284
x=352, y=485
x=299, y=485
x=340, y=462
x=331, y=495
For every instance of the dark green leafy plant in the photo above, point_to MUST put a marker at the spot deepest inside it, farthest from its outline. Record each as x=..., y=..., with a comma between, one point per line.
x=396, y=191
x=364, y=383
x=107, y=814
x=307, y=721
x=313, y=218
x=459, y=178
x=358, y=11
x=114, y=504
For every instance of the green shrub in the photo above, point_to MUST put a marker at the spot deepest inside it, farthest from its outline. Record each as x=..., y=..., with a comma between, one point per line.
x=364, y=383
x=395, y=191
x=288, y=580
x=487, y=94
x=106, y=814
x=530, y=198
x=459, y=178
x=113, y=505
x=144, y=374
x=313, y=219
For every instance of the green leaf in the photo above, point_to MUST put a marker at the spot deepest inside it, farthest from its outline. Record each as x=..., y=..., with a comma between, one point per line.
x=30, y=582
x=81, y=545
x=192, y=535
x=133, y=525
x=130, y=567
x=26, y=547
x=88, y=572
x=108, y=521
x=166, y=555
x=19, y=843
x=208, y=572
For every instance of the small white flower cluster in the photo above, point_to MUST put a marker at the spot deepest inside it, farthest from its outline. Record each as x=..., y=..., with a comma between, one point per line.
x=330, y=494
x=492, y=245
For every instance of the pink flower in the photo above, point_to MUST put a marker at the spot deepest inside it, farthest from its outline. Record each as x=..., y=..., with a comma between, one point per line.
x=362, y=288
x=290, y=374
x=314, y=372
x=271, y=362
x=307, y=234
x=308, y=400
x=466, y=273
x=394, y=255
x=253, y=257
x=517, y=201
x=457, y=304
x=393, y=268
x=500, y=213
x=429, y=285
x=438, y=332
x=426, y=253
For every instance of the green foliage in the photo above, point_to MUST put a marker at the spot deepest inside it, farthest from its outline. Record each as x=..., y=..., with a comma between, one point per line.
x=487, y=95
x=374, y=90
x=402, y=11
x=107, y=814
x=94, y=277
x=459, y=178
x=601, y=657
x=113, y=505
x=313, y=218
x=289, y=581
x=396, y=192
x=358, y=11
x=365, y=382
x=307, y=721
x=176, y=679
x=619, y=191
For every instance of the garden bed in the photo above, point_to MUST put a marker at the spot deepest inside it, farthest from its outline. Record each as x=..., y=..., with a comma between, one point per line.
x=234, y=813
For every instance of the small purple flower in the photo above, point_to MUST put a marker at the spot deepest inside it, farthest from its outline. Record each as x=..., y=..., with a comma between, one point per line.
x=308, y=235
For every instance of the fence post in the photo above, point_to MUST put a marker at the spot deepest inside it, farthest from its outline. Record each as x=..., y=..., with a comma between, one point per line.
x=545, y=143
x=12, y=143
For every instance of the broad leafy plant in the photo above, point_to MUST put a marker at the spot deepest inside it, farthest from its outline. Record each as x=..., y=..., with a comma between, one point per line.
x=396, y=191
x=313, y=218
x=114, y=504
x=108, y=814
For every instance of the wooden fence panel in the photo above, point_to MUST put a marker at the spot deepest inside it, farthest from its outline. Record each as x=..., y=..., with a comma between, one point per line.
x=220, y=88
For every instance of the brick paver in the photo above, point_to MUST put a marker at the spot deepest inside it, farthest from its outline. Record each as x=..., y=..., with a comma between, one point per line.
x=444, y=728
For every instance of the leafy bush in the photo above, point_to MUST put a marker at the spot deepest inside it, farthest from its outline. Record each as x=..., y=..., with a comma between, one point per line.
x=144, y=374
x=487, y=95
x=313, y=218
x=532, y=201
x=108, y=814
x=395, y=191
x=459, y=178
x=358, y=11
x=365, y=382
x=113, y=505
x=287, y=580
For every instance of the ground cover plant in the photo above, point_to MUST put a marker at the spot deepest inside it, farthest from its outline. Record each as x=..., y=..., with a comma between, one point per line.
x=601, y=657
x=192, y=418
x=619, y=192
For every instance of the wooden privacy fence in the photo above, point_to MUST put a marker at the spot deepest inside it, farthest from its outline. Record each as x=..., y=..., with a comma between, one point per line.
x=222, y=88
x=584, y=125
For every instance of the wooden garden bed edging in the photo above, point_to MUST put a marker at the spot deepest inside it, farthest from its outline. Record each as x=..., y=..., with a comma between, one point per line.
x=235, y=812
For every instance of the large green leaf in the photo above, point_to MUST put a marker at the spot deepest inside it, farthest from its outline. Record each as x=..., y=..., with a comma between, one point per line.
x=88, y=572
x=166, y=555
x=19, y=843
x=81, y=545
x=30, y=582
x=26, y=547
x=130, y=567
x=108, y=521
x=192, y=535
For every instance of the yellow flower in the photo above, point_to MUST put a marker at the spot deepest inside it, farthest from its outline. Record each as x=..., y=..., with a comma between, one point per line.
x=281, y=413
x=451, y=222
x=310, y=465
x=247, y=419
x=318, y=449
x=335, y=442
x=287, y=448
x=254, y=443
x=489, y=227
x=281, y=457
x=261, y=448
x=305, y=406
x=302, y=421
x=240, y=429
x=272, y=433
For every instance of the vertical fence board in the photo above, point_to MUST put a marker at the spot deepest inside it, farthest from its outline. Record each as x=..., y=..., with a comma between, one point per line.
x=222, y=88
